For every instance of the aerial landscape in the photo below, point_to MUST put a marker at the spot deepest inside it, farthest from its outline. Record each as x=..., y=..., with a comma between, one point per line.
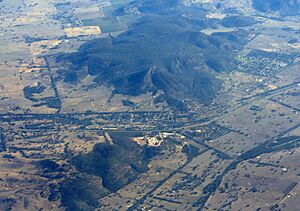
x=149, y=105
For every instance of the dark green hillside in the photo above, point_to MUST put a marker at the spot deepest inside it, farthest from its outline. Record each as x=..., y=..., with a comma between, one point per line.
x=158, y=53
x=117, y=164
x=104, y=170
x=82, y=192
x=238, y=21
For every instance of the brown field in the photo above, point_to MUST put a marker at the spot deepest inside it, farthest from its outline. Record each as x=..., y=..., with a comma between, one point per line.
x=82, y=31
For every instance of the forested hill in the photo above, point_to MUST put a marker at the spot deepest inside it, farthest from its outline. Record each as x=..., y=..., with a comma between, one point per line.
x=160, y=52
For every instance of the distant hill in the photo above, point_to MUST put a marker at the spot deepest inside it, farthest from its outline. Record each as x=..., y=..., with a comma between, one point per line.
x=153, y=56
x=285, y=7
x=160, y=52
x=238, y=21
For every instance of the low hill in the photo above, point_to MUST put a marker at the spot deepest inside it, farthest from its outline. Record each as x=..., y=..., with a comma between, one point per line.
x=285, y=7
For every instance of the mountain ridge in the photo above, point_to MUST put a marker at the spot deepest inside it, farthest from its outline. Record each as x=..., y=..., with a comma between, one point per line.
x=165, y=54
